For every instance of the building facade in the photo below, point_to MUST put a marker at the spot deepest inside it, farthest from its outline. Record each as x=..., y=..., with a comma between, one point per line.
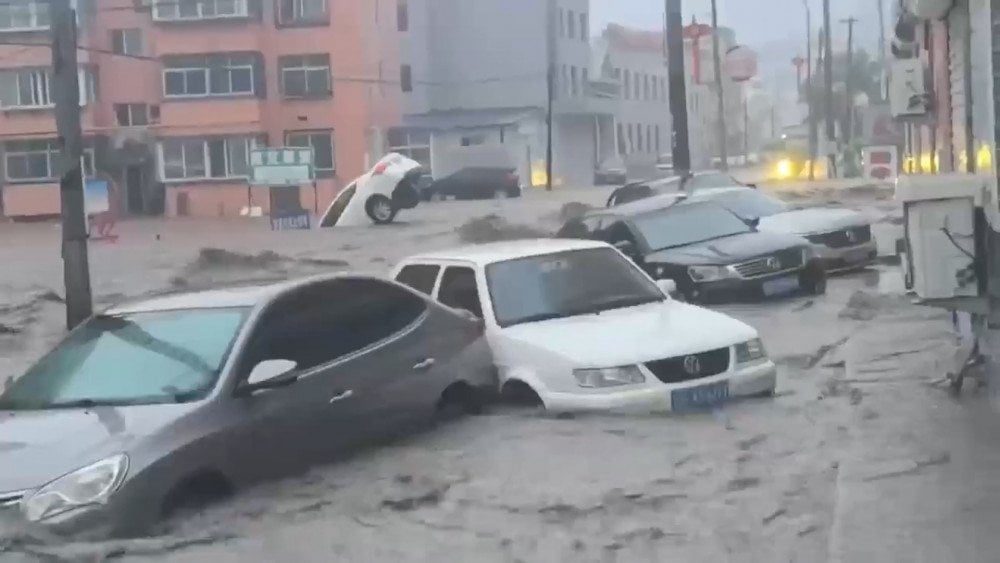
x=175, y=94
x=479, y=88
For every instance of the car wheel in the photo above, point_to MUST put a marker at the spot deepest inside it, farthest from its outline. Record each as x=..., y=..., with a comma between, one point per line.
x=379, y=208
x=814, y=282
x=520, y=394
x=195, y=492
x=457, y=400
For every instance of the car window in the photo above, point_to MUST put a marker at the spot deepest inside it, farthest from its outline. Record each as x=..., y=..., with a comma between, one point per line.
x=628, y=194
x=338, y=207
x=618, y=232
x=581, y=228
x=459, y=290
x=420, y=277
x=687, y=224
x=322, y=322
x=566, y=284
x=138, y=358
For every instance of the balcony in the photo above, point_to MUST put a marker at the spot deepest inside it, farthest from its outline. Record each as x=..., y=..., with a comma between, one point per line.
x=26, y=16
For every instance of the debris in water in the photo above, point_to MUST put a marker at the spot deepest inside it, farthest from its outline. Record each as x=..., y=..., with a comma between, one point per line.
x=751, y=442
x=772, y=516
x=573, y=210
x=742, y=484
x=492, y=228
x=861, y=307
x=856, y=396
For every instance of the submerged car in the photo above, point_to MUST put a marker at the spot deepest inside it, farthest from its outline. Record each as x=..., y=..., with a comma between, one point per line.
x=379, y=194
x=841, y=238
x=475, y=182
x=155, y=404
x=611, y=171
x=689, y=183
x=577, y=326
x=707, y=250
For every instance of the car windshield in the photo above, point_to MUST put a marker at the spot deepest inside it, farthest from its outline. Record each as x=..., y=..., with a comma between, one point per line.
x=566, y=284
x=751, y=204
x=141, y=358
x=687, y=224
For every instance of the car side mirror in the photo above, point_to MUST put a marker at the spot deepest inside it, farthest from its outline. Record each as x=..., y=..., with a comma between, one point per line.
x=270, y=374
x=668, y=287
x=752, y=222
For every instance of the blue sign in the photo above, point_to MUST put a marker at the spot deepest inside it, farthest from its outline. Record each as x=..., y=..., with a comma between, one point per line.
x=291, y=221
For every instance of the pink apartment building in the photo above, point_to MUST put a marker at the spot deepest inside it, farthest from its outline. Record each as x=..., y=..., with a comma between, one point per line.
x=175, y=93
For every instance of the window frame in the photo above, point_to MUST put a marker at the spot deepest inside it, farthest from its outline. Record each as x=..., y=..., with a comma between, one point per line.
x=130, y=110
x=159, y=7
x=250, y=141
x=221, y=61
x=311, y=134
x=406, y=78
x=120, y=43
x=402, y=16
x=51, y=152
x=38, y=10
x=300, y=20
x=306, y=67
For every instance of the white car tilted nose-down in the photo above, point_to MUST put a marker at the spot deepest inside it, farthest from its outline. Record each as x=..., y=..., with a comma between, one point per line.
x=585, y=329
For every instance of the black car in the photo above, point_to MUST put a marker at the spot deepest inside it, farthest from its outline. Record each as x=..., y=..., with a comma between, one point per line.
x=480, y=182
x=689, y=182
x=709, y=252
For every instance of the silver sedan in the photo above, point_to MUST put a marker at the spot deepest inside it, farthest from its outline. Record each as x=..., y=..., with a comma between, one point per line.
x=157, y=404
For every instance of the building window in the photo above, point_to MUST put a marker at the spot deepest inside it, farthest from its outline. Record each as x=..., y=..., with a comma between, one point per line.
x=570, y=24
x=562, y=22
x=574, y=85
x=30, y=88
x=657, y=139
x=473, y=140
x=37, y=160
x=621, y=139
x=638, y=137
x=126, y=41
x=205, y=159
x=305, y=76
x=214, y=75
x=402, y=15
x=182, y=10
x=30, y=15
x=299, y=12
x=584, y=80
x=649, y=138
x=406, y=78
x=654, y=86
x=564, y=79
x=645, y=88
x=637, y=93
x=132, y=115
x=321, y=142
x=415, y=145
x=584, y=25
x=628, y=85
x=663, y=89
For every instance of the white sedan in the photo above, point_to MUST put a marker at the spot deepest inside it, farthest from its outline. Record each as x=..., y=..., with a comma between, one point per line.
x=578, y=326
x=376, y=196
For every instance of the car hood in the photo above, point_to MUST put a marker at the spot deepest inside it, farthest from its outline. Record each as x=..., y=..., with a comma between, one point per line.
x=727, y=250
x=635, y=334
x=812, y=221
x=39, y=446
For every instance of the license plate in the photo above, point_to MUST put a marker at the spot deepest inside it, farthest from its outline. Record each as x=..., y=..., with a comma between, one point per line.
x=700, y=397
x=781, y=285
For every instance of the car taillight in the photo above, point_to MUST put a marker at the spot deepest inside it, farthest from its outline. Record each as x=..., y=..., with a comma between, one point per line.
x=513, y=179
x=380, y=168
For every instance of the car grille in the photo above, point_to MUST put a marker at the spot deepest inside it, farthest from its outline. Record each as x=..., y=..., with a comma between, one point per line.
x=684, y=368
x=844, y=237
x=781, y=261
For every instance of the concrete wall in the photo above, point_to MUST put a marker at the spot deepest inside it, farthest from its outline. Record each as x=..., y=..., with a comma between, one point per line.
x=643, y=111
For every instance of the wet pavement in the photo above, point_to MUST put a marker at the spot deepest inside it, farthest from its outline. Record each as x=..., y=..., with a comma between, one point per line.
x=827, y=470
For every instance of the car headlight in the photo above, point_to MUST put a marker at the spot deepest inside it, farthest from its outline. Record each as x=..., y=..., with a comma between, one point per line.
x=750, y=351
x=608, y=377
x=89, y=485
x=709, y=273
x=783, y=169
x=660, y=271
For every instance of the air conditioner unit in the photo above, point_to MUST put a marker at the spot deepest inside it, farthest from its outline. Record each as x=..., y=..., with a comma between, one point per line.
x=130, y=136
x=929, y=9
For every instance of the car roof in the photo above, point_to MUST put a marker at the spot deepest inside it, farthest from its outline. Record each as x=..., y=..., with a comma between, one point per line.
x=240, y=296
x=488, y=253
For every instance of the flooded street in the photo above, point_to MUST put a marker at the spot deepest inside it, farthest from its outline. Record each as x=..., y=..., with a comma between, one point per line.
x=758, y=480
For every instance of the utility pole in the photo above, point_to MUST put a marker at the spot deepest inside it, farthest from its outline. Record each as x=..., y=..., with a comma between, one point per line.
x=881, y=50
x=831, y=125
x=717, y=62
x=813, y=132
x=550, y=87
x=848, y=86
x=65, y=92
x=677, y=82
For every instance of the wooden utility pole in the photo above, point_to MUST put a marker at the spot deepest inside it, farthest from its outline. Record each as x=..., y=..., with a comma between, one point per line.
x=882, y=62
x=674, y=45
x=848, y=85
x=813, y=129
x=550, y=87
x=831, y=124
x=721, y=107
x=65, y=92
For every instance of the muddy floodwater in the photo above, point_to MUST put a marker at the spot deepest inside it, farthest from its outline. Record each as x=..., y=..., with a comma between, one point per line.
x=779, y=479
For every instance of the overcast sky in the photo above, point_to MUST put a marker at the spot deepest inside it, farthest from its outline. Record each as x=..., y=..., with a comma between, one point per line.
x=774, y=28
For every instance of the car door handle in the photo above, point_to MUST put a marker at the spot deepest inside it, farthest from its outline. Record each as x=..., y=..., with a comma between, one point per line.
x=342, y=396
x=424, y=365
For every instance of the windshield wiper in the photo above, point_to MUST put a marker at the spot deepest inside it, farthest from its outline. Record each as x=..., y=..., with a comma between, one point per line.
x=618, y=303
x=538, y=318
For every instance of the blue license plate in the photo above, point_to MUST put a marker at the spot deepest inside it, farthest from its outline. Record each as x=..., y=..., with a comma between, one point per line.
x=700, y=397
x=780, y=286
